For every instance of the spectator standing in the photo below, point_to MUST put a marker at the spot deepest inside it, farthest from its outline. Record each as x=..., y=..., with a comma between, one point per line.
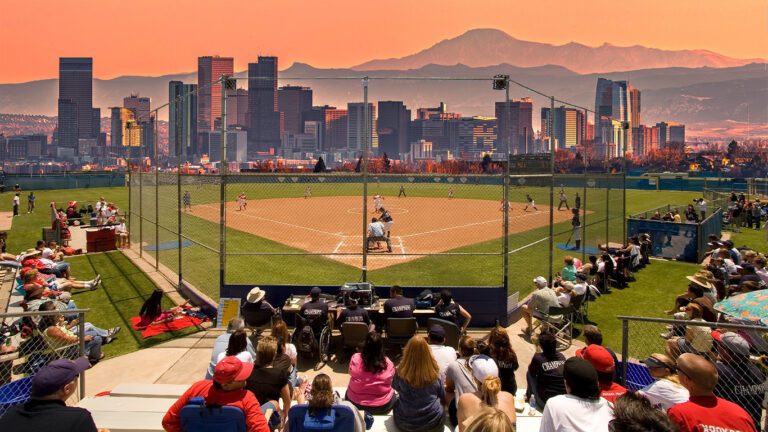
x=739, y=381
x=420, y=390
x=221, y=343
x=370, y=378
x=666, y=390
x=442, y=354
x=449, y=310
x=31, y=203
x=226, y=389
x=541, y=300
x=458, y=377
x=545, y=373
x=488, y=393
x=581, y=408
x=47, y=408
x=500, y=349
x=704, y=411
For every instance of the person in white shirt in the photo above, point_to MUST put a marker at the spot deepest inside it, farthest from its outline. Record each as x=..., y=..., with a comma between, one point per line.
x=581, y=409
x=376, y=233
x=666, y=390
x=760, y=270
x=121, y=230
x=238, y=347
x=568, y=290
x=444, y=356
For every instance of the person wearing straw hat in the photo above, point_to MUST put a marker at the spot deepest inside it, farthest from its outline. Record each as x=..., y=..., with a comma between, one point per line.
x=256, y=305
x=698, y=286
x=666, y=390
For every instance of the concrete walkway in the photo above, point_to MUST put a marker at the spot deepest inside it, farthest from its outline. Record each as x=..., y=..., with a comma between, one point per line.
x=6, y=220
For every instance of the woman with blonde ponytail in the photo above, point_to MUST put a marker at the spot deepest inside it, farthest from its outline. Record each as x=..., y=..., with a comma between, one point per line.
x=488, y=394
x=491, y=420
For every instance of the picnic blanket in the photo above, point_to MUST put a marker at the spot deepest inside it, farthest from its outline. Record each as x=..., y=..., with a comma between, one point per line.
x=178, y=323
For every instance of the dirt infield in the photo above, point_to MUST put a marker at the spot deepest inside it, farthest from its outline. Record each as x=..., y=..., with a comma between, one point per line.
x=332, y=225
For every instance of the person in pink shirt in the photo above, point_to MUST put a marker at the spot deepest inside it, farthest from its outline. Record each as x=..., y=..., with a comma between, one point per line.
x=370, y=378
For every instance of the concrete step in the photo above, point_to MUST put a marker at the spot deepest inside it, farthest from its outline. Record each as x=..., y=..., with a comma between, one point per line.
x=127, y=404
x=121, y=421
x=170, y=391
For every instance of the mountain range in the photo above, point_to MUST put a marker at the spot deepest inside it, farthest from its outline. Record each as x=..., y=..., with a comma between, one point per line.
x=717, y=100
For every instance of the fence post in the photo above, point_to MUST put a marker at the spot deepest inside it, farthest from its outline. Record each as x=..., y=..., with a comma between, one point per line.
x=81, y=337
x=551, y=184
x=141, y=199
x=224, y=80
x=624, y=350
x=505, y=200
x=365, y=180
x=178, y=145
x=153, y=122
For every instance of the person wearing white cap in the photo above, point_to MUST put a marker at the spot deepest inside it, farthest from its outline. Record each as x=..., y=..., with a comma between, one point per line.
x=488, y=394
x=541, y=300
x=740, y=382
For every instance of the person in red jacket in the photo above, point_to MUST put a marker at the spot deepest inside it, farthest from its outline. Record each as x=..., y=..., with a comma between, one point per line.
x=704, y=411
x=226, y=389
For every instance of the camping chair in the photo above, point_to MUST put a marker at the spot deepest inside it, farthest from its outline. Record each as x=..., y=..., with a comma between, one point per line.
x=258, y=320
x=401, y=330
x=579, y=304
x=196, y=416
x=342, y=419
x=638, y=375
x=560, y=322
x=452, y=331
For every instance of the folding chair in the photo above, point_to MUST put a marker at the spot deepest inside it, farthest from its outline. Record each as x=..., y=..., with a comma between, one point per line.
x=560, y=322
x=196, y=416
x=353, y=334
x=342, y=419
x=579, y=304
x=452, y=331
x=258, y=320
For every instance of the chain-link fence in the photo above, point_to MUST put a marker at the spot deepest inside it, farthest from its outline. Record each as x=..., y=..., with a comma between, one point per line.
x=31, y=340
x=454, y=212
x=741, y=358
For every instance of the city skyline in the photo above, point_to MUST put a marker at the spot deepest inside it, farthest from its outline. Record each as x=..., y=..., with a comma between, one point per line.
x=313, y=40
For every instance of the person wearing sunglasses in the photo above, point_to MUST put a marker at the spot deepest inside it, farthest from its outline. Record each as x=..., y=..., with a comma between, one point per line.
x=666, y=390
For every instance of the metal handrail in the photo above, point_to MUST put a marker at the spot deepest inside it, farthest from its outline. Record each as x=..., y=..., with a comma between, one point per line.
x=42, y=313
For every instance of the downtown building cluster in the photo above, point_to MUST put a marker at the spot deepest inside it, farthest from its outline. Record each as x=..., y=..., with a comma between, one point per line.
x=268, y=121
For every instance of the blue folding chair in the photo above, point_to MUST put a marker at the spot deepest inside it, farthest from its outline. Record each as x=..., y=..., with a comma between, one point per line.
x=196, y=416
x=14, y=393
x=638, y=376
x=341, y=418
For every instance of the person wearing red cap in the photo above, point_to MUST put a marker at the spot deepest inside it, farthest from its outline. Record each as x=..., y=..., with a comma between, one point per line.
x=226, y=389
x=603, y=363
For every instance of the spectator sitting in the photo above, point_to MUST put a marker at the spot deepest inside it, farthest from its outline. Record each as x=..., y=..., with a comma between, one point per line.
x=449, y=310
x=666, y=390
x=287, y=356
x=237, y=347
x=226, y=389
x=603, y=363
x=353, y=313
x=749, y=286
x=760, y=269
x=398, y=306
x=491, y=420
x=593, y=336
x=123, y=237
x=501, y=351
x=748, y=274
x=698, y=338
x=58, y=334
x=458, y=377
x=30, y=277
x=47, y=408
x=567, y=291
x=370, y=378
x=488, y=393
x=268, y=383
x=315, y=310
x=568, y=273
x=581, y=408
x=322, y=399
x=545, y=373
x=739, y=381
x=632, y=412
x=257, y=311
x=541, y=300
x=51, y=251
x=732, y=252
x=704, y=410
x=442, y=354
x=420, y=390
x=698, y=284
x=222, y=342
x=34, y=299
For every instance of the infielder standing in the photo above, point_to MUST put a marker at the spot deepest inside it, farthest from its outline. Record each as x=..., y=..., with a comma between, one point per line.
x=307, y=192
x=402, y=192
x=563, y=200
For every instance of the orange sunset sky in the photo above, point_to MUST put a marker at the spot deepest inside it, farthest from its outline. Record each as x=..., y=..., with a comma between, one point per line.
x=155, y=37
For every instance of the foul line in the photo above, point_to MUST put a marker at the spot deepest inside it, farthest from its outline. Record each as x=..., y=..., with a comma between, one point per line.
x=472, y=224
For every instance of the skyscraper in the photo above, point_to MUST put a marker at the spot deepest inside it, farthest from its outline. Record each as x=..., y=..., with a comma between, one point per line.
x=619, y=101
x=75, y=100
x=356, y=127
x=293, y=102
x=569, y=126
x=515, y=126
x=264, y=128
x=392, y=128
x=603, y=107
x=210, y=69
x=128, y=136
x=334, y=126
x=671, y=135
x=182, y=118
